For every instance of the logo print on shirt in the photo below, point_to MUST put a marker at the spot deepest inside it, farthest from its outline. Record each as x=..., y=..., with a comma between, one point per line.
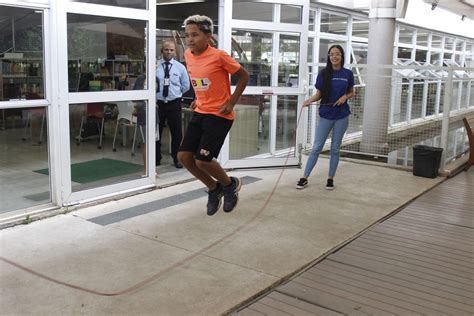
x=201, y=84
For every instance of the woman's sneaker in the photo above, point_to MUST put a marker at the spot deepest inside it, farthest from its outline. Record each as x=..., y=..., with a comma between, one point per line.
x=302, y=183
x=214, y=199
x=330, y=184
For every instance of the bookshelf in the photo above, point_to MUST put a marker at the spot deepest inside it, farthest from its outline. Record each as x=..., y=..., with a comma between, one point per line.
x=100, y=75
x=21, y=78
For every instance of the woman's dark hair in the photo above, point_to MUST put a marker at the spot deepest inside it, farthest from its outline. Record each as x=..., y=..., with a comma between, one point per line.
x=327, y=73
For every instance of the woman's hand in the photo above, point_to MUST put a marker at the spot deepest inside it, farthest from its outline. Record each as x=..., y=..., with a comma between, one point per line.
x=341, y=100
x=307, y=102
x=193, y=105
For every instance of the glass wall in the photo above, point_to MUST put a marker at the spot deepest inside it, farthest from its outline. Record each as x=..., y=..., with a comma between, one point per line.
x=21, y=54
x=24, y=155
x=252, y=10
x=287, y=115
x=105, y=53
x=250, y=133
x=288, y=63
x=107, y=58
x=333, y=23
x=136, y=4
x=109, y=140
x=253, y=50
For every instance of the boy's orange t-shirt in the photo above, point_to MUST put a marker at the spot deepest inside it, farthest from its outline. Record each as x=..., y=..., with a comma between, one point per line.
x=209, y=73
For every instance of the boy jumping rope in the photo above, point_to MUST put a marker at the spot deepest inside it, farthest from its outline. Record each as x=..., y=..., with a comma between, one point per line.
x=209, y=70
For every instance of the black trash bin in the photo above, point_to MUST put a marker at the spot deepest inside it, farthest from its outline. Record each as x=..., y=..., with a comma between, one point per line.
x=426, y=160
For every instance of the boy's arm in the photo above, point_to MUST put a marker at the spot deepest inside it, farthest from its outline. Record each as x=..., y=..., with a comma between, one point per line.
x=242, y=79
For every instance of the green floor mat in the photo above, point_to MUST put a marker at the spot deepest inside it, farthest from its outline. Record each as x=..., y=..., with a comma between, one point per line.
x=94, y=170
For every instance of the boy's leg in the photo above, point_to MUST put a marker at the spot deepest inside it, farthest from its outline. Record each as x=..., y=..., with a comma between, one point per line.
x=190, y=163
x=215, y=189
x=215, y=130
x=214, y=169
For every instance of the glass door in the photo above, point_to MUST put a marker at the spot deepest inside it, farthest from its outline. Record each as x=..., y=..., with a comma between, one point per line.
x=106, y=57
x=269, y=39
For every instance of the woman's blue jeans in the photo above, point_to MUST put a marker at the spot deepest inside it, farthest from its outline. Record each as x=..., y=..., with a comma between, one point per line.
x=338, y=128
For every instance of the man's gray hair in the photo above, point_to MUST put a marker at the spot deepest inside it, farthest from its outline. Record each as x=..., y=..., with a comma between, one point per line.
x=203, y=22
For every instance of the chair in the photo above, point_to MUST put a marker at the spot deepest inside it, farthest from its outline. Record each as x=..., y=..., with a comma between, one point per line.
x=30, y=113
x=127, y=119
x=94, y=116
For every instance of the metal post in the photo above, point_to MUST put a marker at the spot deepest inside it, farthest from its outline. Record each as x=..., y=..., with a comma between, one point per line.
x=448, y=98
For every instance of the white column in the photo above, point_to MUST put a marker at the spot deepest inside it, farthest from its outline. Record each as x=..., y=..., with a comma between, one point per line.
x=378, y=83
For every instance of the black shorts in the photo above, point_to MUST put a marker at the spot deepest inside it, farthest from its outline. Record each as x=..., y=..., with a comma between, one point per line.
x=205, y=135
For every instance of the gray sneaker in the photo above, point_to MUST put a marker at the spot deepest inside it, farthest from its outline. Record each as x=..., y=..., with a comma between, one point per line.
x=214, y=199
x=231, y=194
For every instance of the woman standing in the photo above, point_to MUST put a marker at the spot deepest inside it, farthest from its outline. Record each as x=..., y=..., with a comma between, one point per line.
x=334, y=86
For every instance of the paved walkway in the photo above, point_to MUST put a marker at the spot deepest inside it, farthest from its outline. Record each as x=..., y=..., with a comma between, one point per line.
x=158, y=253
x=418, y=262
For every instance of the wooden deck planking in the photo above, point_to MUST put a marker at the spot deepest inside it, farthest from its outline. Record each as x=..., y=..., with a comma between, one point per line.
x=387, y=279
x=428, y=239
x=440, y=228
x=417, y=243
x=425, y=231
x=295, y=306
x=385, y=292
x=419, y=261
x=405, y=274
x=421, y=255
x=343, y=301
x=420, y=251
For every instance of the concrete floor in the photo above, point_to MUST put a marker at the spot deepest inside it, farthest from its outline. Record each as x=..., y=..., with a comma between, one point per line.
x=200, y=265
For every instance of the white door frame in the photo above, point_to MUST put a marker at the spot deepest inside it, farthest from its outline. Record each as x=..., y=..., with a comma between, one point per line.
x=275, y=158
x=50, y=101
x=61, y=9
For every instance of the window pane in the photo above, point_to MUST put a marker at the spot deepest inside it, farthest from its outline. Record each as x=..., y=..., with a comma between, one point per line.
x=110, y=141
x=449, y=43
x=310, y=49
x=290, y=14
x=21, y=54
x=251, y=10
x=422, y=38
x=104, y=53
x=420, y=56
x=360, y=28
x=253, y=50
x=24, y=174
x=250, y=133
x=459, y=45
x=436, y=41
x=334, y=24
x=435, y=59
x=136, y=4
x=287, y=107
x=360, y=53
x=405, y=35
x=289, y=60
x=404, y=53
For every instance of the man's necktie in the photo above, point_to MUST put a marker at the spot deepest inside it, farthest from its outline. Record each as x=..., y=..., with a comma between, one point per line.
x=167, y=76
